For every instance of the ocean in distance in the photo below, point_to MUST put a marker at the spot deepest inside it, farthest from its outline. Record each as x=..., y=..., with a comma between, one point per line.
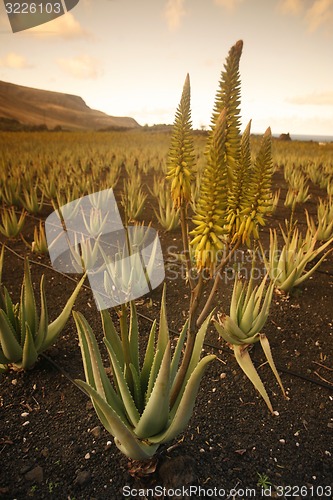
x=304, y=137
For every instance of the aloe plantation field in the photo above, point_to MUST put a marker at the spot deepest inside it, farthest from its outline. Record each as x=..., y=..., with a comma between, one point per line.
x=216, y=381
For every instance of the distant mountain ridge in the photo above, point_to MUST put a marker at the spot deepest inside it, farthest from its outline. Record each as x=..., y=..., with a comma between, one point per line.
x=34, y=107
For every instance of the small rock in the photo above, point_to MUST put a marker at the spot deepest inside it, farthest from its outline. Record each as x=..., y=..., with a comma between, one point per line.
x=87, y=456
x=25, y=414
x=35, y=475
x=330, y=425
x=282, y=441
x=96, y=431
x=14, y=381
x=82, y=477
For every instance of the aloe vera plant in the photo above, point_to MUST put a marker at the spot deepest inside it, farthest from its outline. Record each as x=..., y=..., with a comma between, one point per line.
x=10, y=225
x=24, y=333
x=287, y=267
x=249, y=310
x=323, y=229
x=135, y=409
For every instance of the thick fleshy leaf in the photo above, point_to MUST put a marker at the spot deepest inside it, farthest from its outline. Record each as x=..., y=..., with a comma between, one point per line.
x=267, y=350
x=9, y=345
x=177, y=352
x=124, y=392
x=44, y=319
x=162, y=342
x=155, y=416
x=93, y=367
x=196, y=353
x=243, y=359
x=30, y=354
x=29, y=303
x=181, y=417
x=125, y=439
x=59, y=323
x=111, y=334
x=149, y=358
x=133, y=338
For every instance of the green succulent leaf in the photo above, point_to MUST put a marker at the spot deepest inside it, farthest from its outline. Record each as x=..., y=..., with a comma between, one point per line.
x=155, y=416
x=59, y=323
x=182, y=415
x=30, y=354
x=243, y=359
x=10, y=347
x=126, y=441
x=93, y=367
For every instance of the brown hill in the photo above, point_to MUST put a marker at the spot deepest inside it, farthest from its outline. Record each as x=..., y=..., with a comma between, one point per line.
x=33, y=107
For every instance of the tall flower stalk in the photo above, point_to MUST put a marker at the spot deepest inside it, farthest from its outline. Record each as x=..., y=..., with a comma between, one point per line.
x=234, y=197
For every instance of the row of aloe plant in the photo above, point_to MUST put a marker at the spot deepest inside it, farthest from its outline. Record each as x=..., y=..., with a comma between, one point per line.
x=149, y=401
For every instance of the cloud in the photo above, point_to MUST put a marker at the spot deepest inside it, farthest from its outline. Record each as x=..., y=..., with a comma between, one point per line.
x=174, y=12
x=291, y=6
x=81, y=67
x=314, y=99
x=14, y=61
x=315, y=13
x=318, y=14
x=228, y=4
x=64, y=27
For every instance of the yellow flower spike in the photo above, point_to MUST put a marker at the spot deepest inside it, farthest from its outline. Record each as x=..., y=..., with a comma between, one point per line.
x=181, y=153
x=210, y=217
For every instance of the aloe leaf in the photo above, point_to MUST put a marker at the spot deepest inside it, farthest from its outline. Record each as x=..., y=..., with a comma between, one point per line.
x=30, y=354
x=9, y=345
x=93, y=366
x=59, y=323
x=2, y=253
x=133, y=338
x=261, y=318
x=183, y=413
x=162, y=342
x=44, y=319
x=149, y=358
x=156, y=413
x=163, y=333
x=137, y=391
x=111, y=334
x=224, y=333
x=289, y=282
x=309, y=273
x=243, y=359
x=196, y=353
x=29, y=303
x=125, y=439
x=178, y=351
x=9, y=309
x=247, y=313
x=124, y=392
x=268, y=353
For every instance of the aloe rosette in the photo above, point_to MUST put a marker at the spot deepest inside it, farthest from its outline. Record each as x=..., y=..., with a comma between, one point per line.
x=135, y=406
x=287, y=267
x=249, y=310
x=24, y=333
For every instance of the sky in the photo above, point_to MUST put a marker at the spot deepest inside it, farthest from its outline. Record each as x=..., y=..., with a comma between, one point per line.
x=131, y=57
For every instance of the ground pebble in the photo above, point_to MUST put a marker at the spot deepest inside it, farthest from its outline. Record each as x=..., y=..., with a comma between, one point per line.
x=35, y=475
x=83, y=477
x=96, y=431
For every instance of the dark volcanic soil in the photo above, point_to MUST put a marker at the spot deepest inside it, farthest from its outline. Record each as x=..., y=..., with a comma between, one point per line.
x=52, y=444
